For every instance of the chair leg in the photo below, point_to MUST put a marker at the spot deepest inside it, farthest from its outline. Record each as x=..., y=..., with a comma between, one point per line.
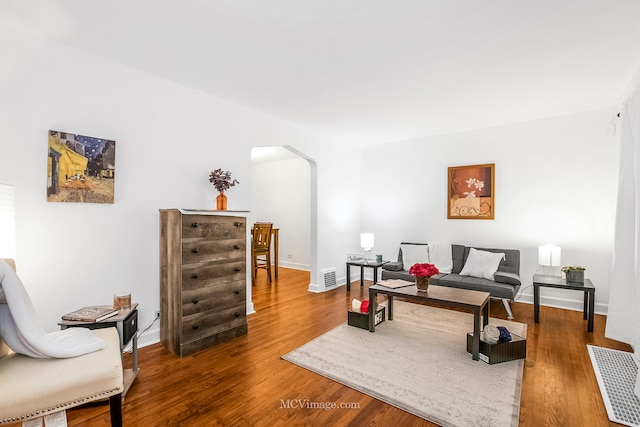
x=507, y=307
x=115, y=410
x=253, y=270
x=269, y=267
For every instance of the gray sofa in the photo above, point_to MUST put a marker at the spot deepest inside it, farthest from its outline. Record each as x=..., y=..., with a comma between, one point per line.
x=505, y=285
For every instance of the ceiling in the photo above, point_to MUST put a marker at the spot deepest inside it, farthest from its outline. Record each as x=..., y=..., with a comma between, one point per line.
x=370, y=71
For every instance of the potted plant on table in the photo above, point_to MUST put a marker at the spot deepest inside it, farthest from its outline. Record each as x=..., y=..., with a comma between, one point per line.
x=423, y=273
x=574, y=273
x=222, y=181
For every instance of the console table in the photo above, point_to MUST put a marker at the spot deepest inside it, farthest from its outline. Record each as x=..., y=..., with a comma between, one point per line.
x=362, y=264
x=587, y=287
x=126, y=323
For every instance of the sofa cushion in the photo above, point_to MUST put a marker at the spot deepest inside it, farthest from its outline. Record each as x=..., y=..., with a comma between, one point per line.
x=510, y=278
x=497, y=290
x=414, y=254
x=481, y=264
x=392, y=266
x=459, y=254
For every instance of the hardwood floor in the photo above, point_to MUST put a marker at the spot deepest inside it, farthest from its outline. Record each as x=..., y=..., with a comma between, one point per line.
x=245, y=383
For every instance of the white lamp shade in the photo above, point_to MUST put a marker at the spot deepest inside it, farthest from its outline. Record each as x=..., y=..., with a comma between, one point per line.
x=7, y=221
x=366, y=241
x=549, y=255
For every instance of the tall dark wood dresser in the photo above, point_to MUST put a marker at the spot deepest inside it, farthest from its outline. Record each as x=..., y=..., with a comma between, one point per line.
x=203, y=259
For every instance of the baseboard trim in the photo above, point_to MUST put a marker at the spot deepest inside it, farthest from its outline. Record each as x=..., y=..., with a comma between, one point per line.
x=564, y=303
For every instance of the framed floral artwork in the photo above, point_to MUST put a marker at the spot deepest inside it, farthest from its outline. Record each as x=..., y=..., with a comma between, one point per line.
x=471, y=192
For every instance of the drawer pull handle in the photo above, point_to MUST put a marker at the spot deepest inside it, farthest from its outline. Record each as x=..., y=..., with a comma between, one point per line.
x=237, y=314
x=194, y=224
x=195, y=301
x=237, y=269
x=237, y=292
x=236, y=247
x=194, y=250
x=195, y=327
x=237, y=224
x=195, y=276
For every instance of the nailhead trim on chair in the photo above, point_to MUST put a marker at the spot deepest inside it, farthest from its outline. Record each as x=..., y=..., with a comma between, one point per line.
x=60, y=406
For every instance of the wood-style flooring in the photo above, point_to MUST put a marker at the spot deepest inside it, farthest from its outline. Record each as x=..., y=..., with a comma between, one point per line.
x=245, y=383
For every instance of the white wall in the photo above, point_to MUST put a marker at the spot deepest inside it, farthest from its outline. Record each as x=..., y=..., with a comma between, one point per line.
x=168, y=139
x=555, y=180
x=280, y=193
x=555, y=183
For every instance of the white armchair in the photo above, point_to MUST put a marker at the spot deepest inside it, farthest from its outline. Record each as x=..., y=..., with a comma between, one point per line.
x=34, y=387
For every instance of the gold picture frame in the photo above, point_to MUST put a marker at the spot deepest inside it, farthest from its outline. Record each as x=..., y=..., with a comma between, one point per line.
x=471, y=192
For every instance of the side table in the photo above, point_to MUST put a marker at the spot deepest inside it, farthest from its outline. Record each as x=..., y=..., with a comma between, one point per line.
x=587, y=287
x=362, y=264
x=126, y=322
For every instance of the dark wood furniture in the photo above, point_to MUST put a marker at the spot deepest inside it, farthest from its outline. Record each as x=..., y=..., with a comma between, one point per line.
x=203, y=273
x=364, y=264
x=126, y=323
x=475, y=302
x=587, y=288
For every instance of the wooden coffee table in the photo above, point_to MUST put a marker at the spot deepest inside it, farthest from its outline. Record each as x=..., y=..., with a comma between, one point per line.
x=472, y=301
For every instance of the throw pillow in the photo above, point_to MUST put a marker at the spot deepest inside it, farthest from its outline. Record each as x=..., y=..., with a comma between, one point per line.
x=414, y=254
x=482, y=264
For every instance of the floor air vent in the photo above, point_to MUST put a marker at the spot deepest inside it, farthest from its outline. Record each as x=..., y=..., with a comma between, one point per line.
x=328, y=278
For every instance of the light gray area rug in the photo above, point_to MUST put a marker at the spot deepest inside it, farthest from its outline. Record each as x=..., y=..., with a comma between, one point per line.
x=616, y=372
x=418, y=362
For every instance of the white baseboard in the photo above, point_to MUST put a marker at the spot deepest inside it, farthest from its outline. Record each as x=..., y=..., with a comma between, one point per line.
x=294, y=266
x=564, y=303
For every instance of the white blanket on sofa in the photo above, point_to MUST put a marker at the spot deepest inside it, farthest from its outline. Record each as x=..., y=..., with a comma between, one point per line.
x=441, y=256
x=20, y=329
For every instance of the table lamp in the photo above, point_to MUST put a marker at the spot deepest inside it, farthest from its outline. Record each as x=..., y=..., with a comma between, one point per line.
x=549, y=257
x=366, y=241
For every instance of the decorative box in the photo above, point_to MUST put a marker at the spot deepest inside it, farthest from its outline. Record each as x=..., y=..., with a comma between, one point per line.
x=361, y=320
x=500, y=352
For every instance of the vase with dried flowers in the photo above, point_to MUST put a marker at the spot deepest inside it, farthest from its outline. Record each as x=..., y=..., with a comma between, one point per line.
x=222, y=181
x=423, y=273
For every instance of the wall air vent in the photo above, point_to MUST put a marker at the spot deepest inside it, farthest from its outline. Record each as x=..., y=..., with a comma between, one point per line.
x=328, y=277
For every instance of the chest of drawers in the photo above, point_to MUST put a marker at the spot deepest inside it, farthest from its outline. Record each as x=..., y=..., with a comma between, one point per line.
x=202, y=280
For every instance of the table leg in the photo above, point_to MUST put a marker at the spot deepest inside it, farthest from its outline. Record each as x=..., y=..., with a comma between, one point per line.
x=592, y=304
x=275, y=250
x=361, y=276
x=348, y=277
x=476, y=335
x=485, y=314
x=585, y=309
x=134, y=353
x=536, y=303
x=390, y=299
x=372, y=311
x=375, y=275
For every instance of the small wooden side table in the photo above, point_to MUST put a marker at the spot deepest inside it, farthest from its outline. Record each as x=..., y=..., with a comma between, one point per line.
x=587, y=287
x=126, y=322
x=362, y=264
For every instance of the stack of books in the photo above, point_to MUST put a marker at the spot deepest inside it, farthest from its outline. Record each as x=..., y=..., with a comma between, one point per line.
x=94, y=313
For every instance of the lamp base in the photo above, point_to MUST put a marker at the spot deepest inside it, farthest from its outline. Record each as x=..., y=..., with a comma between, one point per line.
x=551, y=271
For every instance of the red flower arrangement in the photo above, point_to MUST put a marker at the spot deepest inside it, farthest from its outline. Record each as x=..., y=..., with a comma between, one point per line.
x=424, y=270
